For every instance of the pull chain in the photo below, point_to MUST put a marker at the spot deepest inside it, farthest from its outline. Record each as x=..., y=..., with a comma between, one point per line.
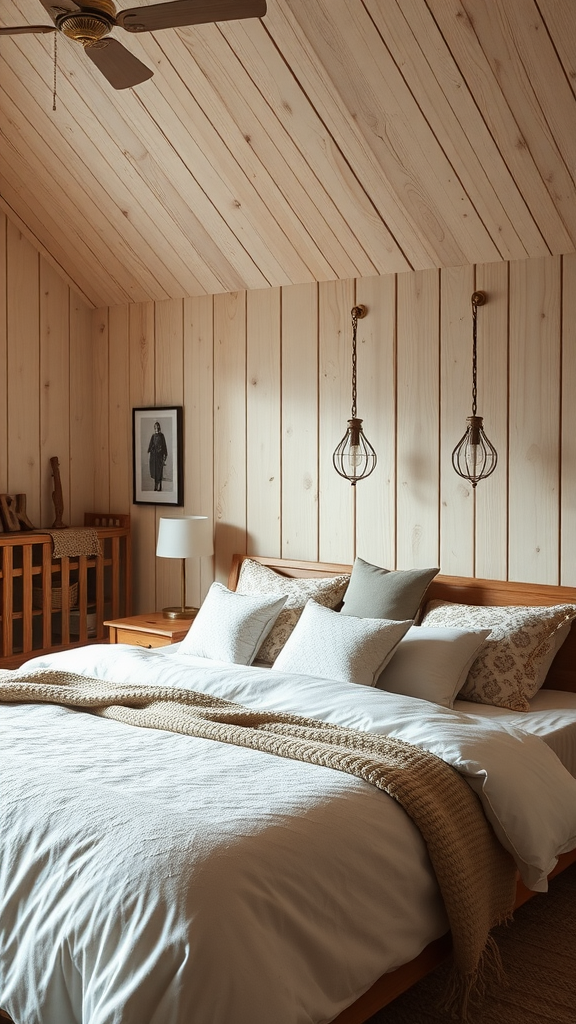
x=55, y=71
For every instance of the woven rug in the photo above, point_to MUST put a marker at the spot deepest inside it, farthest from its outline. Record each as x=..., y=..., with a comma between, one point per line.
x=539, y=955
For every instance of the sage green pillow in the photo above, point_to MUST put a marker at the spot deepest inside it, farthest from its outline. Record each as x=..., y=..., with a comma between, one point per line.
x=375, y=593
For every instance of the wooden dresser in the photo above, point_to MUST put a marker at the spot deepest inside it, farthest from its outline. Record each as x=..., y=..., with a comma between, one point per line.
x=48, y=603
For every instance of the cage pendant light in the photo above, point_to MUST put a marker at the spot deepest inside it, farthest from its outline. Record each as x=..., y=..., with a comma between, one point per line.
x=475, y=457
x=354, y=458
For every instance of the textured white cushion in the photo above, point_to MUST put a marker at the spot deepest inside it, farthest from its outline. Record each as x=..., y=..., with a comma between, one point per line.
x=259, y=579
x=508, y=670
x=342, y=647
x=432, y=662
x=230, y=626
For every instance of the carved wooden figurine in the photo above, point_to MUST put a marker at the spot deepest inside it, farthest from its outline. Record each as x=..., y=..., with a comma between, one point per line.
x=57, y=494
x=13, y=517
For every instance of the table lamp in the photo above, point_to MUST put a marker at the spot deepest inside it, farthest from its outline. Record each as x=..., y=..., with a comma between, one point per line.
x=184, y=537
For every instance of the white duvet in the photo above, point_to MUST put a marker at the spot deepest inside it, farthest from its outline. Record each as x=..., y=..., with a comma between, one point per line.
x=153, y=878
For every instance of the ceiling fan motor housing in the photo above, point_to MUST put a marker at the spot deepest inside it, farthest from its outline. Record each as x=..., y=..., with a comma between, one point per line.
x=91, y=24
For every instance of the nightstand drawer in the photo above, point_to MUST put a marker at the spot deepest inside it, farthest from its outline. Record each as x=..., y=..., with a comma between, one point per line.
x=141, y=639
x=151, y=630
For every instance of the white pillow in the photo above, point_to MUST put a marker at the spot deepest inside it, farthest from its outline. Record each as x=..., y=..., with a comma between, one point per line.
x=432, y=663
x=256, y=578
x=230, y=626
x=333, y=646
x=508, y=670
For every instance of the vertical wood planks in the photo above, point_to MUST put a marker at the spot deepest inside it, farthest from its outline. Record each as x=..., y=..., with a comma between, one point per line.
x=491, y=560
x=568, y=425
x=456, y=494
x=376, y=496
x=265, y=381
x=81, y=412
x=169, y=363
x=299, y=514
x=118, y=411
x=23, y=371
x=54, y=390
x=101, y=409
x=141, y=395
x=3, y=355
x=534, y=472
x=336, y=495
x=199, y=430
x=229, y=429
x=418, y=419
x=263, y=418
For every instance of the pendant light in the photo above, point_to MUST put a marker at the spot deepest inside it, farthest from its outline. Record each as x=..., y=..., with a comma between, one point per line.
x=475, y=457
x=354, y=458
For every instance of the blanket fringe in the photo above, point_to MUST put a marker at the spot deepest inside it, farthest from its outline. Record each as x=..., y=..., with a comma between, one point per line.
x=466, y=991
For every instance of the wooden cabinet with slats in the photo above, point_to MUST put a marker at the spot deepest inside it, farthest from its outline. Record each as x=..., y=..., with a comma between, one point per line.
x=49, y=604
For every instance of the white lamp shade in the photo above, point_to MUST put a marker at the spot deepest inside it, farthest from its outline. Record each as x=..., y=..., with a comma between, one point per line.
x=185, y=537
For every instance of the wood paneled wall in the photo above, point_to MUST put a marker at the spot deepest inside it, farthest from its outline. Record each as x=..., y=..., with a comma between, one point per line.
x=264, y=378
x=46, y=384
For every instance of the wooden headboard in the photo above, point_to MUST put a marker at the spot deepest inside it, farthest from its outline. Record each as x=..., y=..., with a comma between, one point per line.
x=462, y=590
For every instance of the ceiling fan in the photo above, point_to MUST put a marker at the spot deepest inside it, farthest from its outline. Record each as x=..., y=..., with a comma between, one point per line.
x=89, y=24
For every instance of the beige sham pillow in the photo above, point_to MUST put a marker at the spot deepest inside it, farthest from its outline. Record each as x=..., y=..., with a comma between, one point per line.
x=259, y=579
x=508, y=670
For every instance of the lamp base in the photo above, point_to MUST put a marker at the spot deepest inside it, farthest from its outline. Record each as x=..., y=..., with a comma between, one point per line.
x=179, y=613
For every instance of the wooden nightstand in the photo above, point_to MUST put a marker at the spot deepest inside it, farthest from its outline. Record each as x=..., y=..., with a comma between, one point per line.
x=152, y=630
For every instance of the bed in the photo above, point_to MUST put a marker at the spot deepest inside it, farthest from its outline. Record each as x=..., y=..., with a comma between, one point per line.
x=313, y=865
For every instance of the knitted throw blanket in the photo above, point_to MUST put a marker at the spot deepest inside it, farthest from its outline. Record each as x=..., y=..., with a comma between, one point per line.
x=477, y=877
x=74, y=541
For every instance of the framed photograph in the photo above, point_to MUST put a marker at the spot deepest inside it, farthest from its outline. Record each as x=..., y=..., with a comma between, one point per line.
x=158, y=465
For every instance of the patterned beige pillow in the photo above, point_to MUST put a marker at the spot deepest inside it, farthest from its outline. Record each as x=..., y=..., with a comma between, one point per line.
x=259, y=579
x=506, y=673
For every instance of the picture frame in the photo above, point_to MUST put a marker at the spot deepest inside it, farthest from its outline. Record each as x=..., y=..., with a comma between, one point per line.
x=157, y=455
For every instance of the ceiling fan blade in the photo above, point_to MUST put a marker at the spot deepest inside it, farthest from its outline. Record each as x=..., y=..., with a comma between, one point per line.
x=117, y=64
x=56, y=7
x=21, y=29
x=188, y=12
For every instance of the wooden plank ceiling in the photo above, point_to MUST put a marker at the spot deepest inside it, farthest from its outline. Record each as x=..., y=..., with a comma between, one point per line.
x=331, y=139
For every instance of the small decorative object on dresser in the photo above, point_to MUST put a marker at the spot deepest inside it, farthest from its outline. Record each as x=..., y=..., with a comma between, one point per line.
x=13, y=516
x=150, y=630
x=57, y=496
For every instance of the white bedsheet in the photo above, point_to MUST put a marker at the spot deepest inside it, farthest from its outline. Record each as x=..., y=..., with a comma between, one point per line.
x=187, y=880
x=552, y=716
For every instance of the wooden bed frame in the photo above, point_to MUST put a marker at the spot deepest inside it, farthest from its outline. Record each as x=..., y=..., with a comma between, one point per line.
x=562, y=676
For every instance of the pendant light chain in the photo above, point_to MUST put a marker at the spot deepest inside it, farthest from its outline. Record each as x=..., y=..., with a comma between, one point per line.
x=474, y=356
x=354, y=331
x=55, y=71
